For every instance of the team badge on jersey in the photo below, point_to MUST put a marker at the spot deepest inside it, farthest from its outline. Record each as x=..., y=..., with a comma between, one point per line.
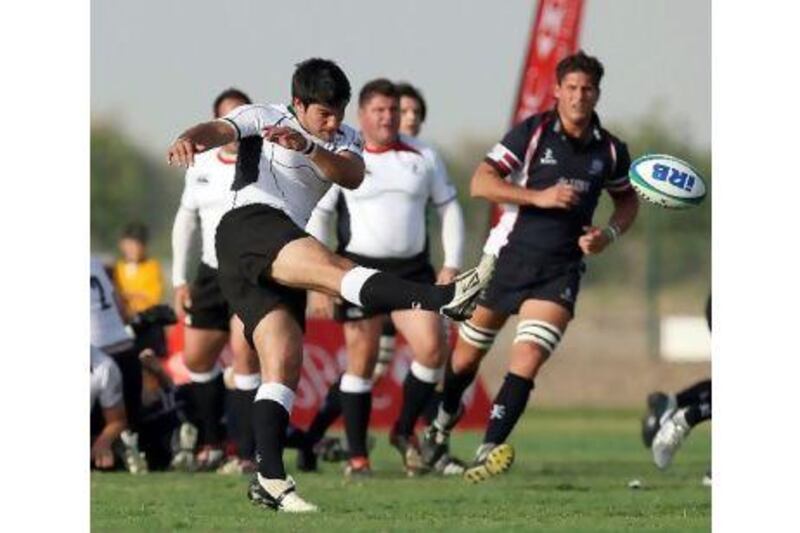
x=596, y=167
x=548, y=158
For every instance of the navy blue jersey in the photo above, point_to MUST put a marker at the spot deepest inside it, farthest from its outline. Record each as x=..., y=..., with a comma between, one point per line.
x=538, y=154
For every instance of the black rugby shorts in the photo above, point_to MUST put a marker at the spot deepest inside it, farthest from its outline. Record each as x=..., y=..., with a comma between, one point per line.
x=248, y=240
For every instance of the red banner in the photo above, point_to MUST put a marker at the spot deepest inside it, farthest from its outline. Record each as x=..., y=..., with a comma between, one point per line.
x=323, y=357
x=554, y=35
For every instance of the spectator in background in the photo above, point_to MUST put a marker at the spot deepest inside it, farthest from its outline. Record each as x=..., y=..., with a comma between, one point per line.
x=140, y=285
x=138, y=278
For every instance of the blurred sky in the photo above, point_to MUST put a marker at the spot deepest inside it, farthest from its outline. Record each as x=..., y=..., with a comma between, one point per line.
x=157, y=65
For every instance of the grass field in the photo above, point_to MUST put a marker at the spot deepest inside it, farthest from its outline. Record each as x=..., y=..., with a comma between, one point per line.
x=571, y=474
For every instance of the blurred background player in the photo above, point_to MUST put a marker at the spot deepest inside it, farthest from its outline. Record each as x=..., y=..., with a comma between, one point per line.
x=670, y=417
x=382, y=225
x=549, y=172
x=108, y=419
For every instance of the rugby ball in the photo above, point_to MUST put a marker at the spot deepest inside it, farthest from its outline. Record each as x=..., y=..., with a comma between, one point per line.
x=667, y=181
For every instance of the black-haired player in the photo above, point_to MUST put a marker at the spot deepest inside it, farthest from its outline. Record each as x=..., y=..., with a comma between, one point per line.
x=548, y=173
x=288, y=158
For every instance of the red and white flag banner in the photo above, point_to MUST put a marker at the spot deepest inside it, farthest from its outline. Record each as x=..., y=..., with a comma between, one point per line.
x=554, y=35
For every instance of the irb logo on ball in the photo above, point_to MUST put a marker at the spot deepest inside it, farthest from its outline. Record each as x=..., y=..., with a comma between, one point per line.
x=667, y=181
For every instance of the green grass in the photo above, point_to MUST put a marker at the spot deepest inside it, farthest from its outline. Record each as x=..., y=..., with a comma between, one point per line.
x=571, y=474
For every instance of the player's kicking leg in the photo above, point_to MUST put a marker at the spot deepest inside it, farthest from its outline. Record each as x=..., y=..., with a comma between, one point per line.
x=539, y=331
x=305, y=263
x=475, y=338
x=278, y=338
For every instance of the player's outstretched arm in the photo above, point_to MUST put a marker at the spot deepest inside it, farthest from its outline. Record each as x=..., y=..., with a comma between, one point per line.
x=487, y=182
x=198, y=139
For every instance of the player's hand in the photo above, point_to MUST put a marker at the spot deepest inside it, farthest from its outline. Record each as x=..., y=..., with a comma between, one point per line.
x=593, y=241
x=102, y=455
x=559, y=196
x=182, y=299
x=286, y=137
x=182, y=151
x=319, y=305
x=447, y=275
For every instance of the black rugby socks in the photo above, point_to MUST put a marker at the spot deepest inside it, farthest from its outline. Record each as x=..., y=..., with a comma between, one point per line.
x=697, y=393
x=508, y=405
x=418, y=389
x=380, y=291
x=356, y=398
x=270, y=422
x=327, y=414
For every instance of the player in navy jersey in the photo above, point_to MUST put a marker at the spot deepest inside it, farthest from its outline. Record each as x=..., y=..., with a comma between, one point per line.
x=288, y=158
x=547, y=173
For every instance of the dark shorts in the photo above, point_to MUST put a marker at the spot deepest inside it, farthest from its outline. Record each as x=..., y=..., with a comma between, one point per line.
x=248, y=240
x=515, y=280
x=209, y=308
x=417, y=268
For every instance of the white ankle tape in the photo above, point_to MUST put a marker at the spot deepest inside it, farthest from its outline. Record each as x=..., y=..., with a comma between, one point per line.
x=352, y=282
x=354, y=384
x=205, y=377
x=276, y=392
x=426, y=374
x=247, y=381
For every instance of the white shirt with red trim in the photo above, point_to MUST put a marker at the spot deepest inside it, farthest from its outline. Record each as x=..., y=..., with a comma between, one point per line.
x=385, y=216
x=284, y=179
x=207, y=195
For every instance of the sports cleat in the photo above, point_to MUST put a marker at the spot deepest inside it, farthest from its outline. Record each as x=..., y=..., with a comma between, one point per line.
x=135, y=461
x=669, y=438
x=278, y=495
x=707, y=479
x=330, y=450
x=358, y=468
x=408, y=446
x=436, y=439
x=236, y=466
x=660, y=407
x=449, y=466
x=468, y=286
x=210, y=458
x=183, y=459
x=491, y=460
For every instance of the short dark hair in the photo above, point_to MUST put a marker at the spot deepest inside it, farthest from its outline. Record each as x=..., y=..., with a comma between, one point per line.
x=580, y=62
x=232, y=93
x=380, y=86
x=320, y=81
x=136, y=231
x=406, y=89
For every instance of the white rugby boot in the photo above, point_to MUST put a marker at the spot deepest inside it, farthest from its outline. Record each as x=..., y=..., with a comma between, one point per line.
x=278, y=495
x=669, y=438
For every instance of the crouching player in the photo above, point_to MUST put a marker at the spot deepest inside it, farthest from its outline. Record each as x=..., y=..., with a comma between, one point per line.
x=548, y=173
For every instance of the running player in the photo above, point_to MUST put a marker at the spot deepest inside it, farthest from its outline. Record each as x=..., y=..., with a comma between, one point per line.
x=548, y=172
x=670, y=417
x=382, y=225
x=288, y=158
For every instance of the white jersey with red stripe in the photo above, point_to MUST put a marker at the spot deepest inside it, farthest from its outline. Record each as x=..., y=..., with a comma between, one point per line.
x=207, y=195
x=385, y=217
x=108, y=331
x=270, y=174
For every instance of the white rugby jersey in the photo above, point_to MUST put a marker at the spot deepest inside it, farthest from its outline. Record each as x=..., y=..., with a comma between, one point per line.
x=385, y=216
x=207, y=195
x=105, y=383
x=269, y=174
x=108, y=330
